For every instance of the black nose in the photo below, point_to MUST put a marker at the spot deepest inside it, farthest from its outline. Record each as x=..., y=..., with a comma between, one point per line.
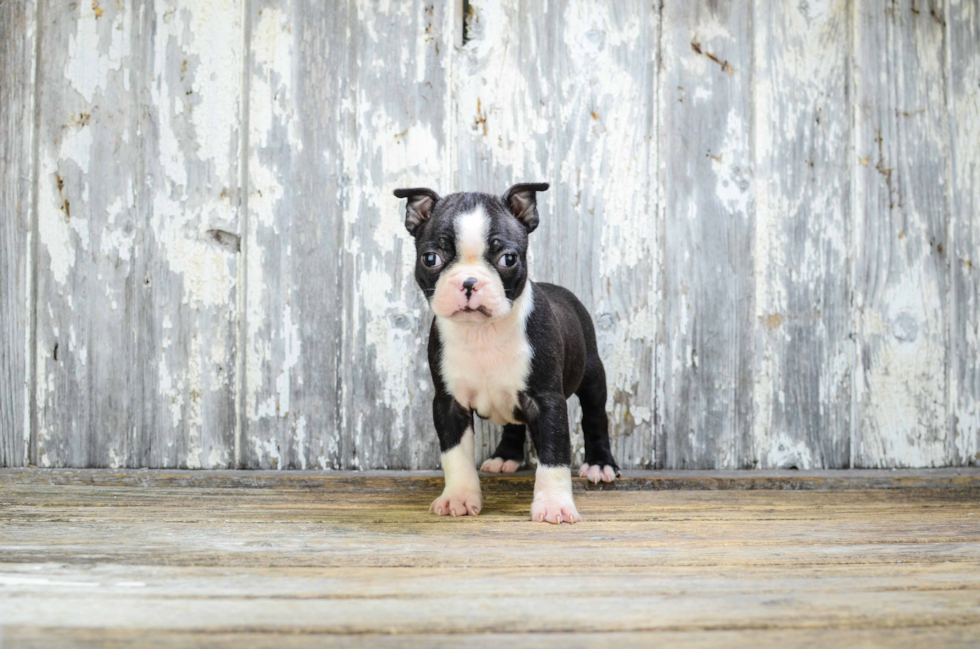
x=469, y=283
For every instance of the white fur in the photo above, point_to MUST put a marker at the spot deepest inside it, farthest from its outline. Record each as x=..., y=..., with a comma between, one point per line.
x=485, y=366
x=553, y=501
x=594, y=473
x=499, y=465
x=450, y=296
x=471, y=235
x=461, y=495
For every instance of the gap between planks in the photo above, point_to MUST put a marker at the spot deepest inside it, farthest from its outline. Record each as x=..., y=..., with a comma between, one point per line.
x=824, y=480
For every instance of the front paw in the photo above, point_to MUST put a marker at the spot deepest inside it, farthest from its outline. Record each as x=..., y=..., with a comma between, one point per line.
x=594, y=473
x=499, y=465
x=457, y=503
x=554, y=508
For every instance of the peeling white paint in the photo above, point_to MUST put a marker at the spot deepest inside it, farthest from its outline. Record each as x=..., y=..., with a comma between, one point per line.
x=115, y=241
x=506, y=121
x=784, y=452
x=299, y=436
x=90, y=58
x=195, y=417
x=734, y=180
x=53, y=229
x=171, y=393
x=902, y=403
x=394, y=348
x=215, y=40
x=76, y=146
x=903, y=394
x=964, y=237
x=497, y=109
x=272, y=86
x=220, y=377
x=206, y=269
x=217, y=458
x=278, y=404
x=269, y=447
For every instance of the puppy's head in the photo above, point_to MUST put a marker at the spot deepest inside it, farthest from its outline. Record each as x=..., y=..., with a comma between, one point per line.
x=471, y=259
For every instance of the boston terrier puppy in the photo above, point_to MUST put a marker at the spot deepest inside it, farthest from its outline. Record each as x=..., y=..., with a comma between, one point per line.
x=506, y=348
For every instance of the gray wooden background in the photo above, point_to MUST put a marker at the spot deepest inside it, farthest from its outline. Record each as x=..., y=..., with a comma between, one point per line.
x=771, y=209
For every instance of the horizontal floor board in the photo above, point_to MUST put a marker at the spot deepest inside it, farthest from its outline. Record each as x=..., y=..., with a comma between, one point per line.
x=948, y=637
x=335, y=560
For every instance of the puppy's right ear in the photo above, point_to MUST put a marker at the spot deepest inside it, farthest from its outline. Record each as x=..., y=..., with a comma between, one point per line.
x=419, y=206
x=522, y=200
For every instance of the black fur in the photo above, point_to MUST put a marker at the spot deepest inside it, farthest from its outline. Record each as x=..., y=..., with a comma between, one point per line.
x=559, y=330
x=437, y=233
x=511, y=446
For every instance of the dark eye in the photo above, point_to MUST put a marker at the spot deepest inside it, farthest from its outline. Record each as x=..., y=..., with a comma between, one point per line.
x=431, y=260
x=508, y=260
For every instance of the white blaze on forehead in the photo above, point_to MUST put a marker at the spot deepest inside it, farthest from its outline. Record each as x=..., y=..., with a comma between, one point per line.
x=471, y=234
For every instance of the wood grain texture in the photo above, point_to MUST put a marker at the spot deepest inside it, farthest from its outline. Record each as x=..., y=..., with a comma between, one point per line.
x=505, y=107
x=770, y=212
x=17, y=65
x=953, y=478
x=709, y=241
x=297, y=563
x=602, y=241
x=298, y=175
x=901, y=246
x=137, y=221
x=89, y=383
x=952, y=636
x=564, y=93
x=963, y=101
x=397, y=134
x=347, y=102
x=188, y=243
x=802, y=129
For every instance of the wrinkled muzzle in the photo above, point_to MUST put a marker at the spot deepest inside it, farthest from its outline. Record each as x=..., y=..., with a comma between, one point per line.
x=470, y=293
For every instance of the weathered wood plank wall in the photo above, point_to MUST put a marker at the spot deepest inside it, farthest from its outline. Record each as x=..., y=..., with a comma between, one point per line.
x=899, y=228
x=709, y=235
x=138, y=111
x=803, y=166
x=962, y=66
x=17, y=65
x=771, y=211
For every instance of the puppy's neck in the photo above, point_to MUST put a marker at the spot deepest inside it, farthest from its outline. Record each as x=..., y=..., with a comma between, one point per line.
x=493, y=331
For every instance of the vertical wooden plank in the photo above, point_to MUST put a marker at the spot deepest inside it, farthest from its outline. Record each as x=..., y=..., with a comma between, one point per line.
x=136, y=281
x=602, y=239
x=802, y=300
x=563, y=92
x=964, y=233
x=505, y=87
x=297, y=165
x=346, y=104
x=900, y=240
x=17, y=62
x=709, y=234
x=88, y=377
x=187, y=257
x=397, y=134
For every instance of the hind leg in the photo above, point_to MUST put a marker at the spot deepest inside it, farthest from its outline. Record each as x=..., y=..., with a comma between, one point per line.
x=510, y=451
x=599, y=461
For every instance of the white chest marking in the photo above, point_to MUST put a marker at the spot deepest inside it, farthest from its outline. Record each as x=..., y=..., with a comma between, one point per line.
x=485, y=367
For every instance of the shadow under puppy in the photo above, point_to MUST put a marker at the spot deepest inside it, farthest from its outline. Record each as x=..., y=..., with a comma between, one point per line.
x=507, y=348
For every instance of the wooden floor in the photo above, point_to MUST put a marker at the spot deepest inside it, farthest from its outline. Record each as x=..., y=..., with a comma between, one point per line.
x=228, y=559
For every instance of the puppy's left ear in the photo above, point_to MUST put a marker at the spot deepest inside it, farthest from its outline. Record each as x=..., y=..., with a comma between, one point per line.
x=522, y=201
x=419, y=206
